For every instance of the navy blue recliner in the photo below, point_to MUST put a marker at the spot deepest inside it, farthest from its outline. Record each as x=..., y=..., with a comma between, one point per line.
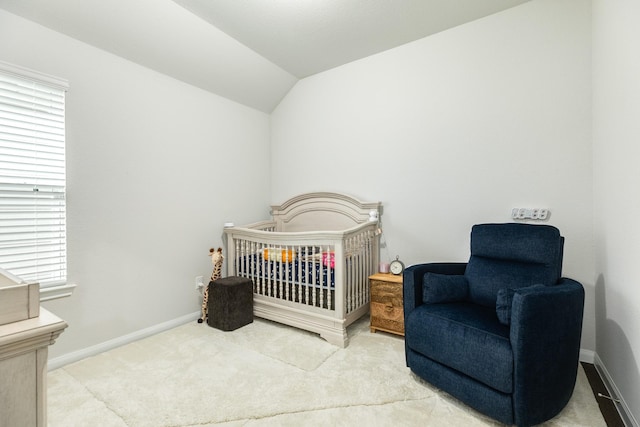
x=502, y=332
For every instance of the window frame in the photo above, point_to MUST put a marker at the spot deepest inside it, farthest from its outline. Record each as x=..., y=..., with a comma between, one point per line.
x=50, y=289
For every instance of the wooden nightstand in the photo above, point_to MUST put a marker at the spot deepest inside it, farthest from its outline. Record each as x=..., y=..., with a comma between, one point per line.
x=387, y=313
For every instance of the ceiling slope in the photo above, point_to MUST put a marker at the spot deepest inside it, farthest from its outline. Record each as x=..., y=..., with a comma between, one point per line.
x=161, y=35
x=306, y=37
x=250, y=51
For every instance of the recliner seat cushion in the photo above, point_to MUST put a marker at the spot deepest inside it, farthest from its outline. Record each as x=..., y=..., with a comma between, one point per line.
x=465, y=337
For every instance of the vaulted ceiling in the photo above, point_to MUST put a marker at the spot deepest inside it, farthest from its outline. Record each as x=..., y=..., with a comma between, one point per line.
x=249, y=51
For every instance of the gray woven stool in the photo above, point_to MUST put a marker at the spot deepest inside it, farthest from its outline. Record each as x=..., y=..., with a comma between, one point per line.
x=230, y=304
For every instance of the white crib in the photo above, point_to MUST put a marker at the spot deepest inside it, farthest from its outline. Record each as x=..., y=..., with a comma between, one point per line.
x=310, y=264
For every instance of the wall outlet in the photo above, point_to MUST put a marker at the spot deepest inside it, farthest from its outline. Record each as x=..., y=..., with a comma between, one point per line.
x=199, y=282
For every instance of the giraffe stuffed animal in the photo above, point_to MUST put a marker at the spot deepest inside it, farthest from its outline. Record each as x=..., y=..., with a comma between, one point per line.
x=216, y=259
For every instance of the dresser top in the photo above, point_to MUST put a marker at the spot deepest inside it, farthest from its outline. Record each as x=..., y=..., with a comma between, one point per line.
x=386, y=277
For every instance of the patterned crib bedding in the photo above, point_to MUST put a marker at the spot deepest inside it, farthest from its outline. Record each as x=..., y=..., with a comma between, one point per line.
x=309, y=266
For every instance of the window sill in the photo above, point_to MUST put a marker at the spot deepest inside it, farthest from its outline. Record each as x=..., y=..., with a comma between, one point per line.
x=54, y=292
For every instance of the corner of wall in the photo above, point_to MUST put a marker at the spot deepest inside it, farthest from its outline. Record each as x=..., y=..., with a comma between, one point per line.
x=614, y=392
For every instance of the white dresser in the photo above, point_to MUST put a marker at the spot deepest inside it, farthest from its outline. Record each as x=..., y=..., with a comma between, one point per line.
x=26, y=332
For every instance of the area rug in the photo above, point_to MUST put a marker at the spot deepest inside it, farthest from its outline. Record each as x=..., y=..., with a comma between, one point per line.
x=265, y=374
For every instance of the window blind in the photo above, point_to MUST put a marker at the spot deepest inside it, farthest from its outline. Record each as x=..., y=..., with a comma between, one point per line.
x=32, y=178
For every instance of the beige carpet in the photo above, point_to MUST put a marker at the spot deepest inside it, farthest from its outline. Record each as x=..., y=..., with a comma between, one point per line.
x=264, y=374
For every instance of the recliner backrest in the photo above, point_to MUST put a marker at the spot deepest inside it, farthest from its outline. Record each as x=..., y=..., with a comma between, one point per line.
x=512, y=256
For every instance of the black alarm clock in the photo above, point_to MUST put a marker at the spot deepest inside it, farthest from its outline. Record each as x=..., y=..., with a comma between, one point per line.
x=396, y=266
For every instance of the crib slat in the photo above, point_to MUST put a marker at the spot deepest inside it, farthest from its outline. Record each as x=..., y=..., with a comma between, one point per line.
x=279, y=269
x=264, y=265
x=361, y=267
x=286, y=272
x=239, y=259
x=321, y=276
x=313, y=284
x=355, y=267
x=245, y=251
x=330, y=271
x=302, y=255
x=309, y=277
x=258, y=278
x=355, y=274
x=250, y=247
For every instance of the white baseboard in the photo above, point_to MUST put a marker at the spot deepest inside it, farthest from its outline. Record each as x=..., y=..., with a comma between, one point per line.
x=587, y=356
x=621, y=405
x=75, y=356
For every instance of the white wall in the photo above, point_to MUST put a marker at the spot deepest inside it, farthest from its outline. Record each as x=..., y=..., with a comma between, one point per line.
x=616, y=133
x=155, y=167
x=456, y=129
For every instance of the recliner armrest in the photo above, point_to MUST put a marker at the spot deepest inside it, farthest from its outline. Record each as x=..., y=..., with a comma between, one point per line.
x=546, y=327
x=413, y=276
x=412, y=286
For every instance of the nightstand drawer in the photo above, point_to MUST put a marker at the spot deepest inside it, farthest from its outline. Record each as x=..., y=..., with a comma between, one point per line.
x=387, y=313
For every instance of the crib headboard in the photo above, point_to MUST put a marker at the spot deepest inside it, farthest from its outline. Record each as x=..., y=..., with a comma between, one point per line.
x=323, y=211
